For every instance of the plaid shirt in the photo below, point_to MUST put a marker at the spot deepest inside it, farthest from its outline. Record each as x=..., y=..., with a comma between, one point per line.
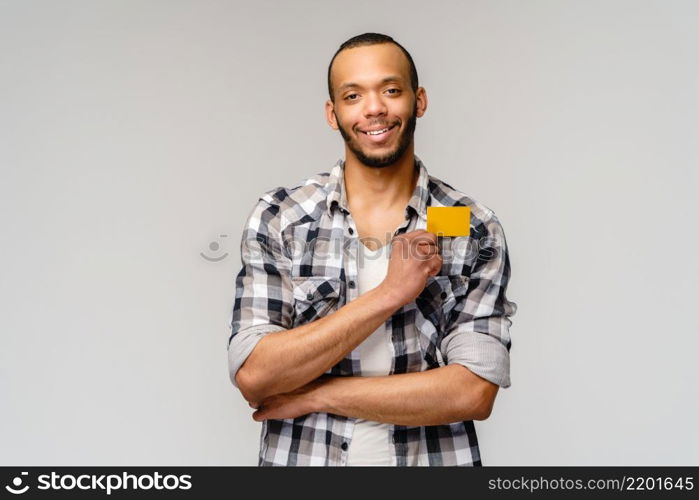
x=299, y=255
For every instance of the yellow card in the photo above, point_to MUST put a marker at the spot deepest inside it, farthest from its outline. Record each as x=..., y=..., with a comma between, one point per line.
x=449, y=221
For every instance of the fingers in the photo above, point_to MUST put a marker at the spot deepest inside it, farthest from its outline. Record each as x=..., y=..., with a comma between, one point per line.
x=435, y=266
x=424, y=243
x=426, y=249
x=422, y=246
x=422, y=235
x=419, y=235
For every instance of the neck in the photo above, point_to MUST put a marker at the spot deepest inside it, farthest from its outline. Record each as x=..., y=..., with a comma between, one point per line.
x=380, y=189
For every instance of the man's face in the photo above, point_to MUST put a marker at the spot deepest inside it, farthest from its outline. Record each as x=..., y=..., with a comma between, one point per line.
x=375, y=108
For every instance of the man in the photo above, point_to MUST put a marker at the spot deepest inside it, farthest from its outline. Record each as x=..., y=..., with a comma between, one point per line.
x=360, y=338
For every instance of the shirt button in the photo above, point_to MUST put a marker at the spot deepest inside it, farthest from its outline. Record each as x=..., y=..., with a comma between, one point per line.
x=351, y=231
x=443, y=295
x=344, y=446
x=309, y=296
x=350, y=284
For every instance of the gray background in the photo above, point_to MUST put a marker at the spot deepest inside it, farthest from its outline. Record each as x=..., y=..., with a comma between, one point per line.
x=134, y=134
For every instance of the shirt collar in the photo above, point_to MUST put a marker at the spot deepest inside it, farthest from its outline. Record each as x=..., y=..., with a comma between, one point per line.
x=338, y=195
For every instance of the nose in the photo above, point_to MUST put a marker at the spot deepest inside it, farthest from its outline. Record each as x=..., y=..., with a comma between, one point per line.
x=374, y=105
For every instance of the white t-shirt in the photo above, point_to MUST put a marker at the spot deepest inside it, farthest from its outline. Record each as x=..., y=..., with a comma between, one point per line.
x=371, y=441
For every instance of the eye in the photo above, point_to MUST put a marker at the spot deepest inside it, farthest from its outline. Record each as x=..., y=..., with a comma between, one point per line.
x=394, y=91
x=347, y=98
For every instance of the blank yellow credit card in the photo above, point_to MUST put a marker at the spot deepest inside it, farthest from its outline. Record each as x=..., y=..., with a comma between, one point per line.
x=449, y=221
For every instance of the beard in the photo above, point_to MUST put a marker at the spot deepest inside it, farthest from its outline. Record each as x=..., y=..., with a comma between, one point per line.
x=386, y=159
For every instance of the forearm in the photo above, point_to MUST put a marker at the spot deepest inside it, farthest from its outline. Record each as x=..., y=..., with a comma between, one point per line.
x=440, y=396
x=284, y=361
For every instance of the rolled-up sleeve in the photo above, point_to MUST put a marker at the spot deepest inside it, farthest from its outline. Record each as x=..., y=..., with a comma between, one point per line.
x=477, y=335
x=263, y=293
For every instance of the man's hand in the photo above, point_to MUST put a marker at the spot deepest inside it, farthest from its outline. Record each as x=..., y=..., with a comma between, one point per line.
x=296, y=403
x=414, y=257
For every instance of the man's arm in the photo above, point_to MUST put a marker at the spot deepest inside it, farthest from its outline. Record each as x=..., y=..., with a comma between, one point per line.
x=266, y=355
x=475, y=347
x=434, y=397
x=285, y=360
x=477, y=334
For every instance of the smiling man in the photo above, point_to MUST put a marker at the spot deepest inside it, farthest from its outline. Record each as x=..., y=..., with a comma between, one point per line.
x=359, y=337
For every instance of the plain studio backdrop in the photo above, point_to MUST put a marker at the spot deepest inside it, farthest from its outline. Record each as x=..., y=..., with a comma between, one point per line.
x=135, y=138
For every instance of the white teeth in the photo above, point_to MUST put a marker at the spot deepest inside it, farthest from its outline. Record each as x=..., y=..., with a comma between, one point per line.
x=377, y=132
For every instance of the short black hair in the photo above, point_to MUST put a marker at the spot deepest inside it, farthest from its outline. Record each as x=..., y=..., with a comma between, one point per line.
x=372, y=39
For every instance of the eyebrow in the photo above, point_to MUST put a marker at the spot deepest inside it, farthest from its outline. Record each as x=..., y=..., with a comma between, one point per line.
x=388, y=79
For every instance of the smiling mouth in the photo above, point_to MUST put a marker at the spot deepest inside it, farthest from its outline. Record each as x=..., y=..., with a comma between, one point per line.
x=378, y=133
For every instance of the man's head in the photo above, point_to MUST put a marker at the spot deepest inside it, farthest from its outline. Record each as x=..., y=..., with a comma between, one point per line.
x=373, y=86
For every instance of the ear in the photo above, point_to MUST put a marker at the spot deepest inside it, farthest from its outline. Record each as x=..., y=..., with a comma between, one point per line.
x=330, y=114
x=420, y=101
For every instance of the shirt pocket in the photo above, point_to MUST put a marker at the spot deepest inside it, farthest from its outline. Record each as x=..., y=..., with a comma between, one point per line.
x=434, y=306
x=314, y=297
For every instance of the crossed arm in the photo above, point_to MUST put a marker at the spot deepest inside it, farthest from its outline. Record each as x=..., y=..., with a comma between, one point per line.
x=284, y=377
x=443, y=395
